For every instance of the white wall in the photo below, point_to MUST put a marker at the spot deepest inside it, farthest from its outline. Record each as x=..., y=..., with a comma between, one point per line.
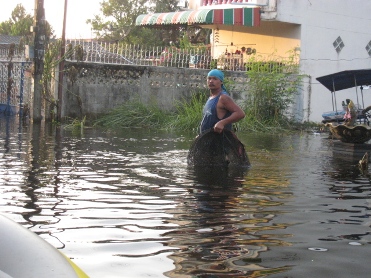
x=321, y=23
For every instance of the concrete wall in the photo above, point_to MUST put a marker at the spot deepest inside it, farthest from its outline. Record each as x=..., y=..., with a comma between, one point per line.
x=93, y=89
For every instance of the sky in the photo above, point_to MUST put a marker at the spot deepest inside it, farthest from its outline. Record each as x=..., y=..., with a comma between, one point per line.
x=78, y=11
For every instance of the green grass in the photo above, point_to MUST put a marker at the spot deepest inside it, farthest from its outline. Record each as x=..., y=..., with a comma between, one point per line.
x=187, y=116
x=188, y=112
x=134, y=114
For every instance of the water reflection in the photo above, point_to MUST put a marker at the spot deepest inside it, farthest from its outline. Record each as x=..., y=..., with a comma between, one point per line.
x=127, y=205
x=219, y=233
x=348, y=181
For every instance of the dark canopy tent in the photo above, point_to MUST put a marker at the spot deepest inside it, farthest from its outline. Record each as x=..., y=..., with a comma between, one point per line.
x=344, y=80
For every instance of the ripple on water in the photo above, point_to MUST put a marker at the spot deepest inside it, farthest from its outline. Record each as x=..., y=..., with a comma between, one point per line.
x=118, y=203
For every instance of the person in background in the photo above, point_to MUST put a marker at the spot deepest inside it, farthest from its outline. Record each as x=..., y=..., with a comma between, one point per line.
x=350, y=116
x=220, y=111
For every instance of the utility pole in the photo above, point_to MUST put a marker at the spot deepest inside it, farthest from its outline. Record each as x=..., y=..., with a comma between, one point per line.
x=39, y=51
x=61, y=66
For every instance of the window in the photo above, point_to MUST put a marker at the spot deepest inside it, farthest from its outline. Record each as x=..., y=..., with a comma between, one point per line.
x=338, y=44
x=368, y=48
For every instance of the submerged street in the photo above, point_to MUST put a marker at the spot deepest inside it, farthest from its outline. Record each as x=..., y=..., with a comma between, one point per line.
x=125, y=204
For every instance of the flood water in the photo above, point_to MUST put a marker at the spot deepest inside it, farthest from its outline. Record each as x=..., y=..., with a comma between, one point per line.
x=126, y=205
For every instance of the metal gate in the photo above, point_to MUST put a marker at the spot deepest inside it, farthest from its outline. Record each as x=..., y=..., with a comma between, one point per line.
x=15, y=87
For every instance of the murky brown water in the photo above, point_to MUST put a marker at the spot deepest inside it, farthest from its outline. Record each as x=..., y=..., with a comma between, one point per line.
x=126, y=205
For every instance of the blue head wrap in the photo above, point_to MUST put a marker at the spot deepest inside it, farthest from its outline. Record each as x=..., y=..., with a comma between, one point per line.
x=218, y=74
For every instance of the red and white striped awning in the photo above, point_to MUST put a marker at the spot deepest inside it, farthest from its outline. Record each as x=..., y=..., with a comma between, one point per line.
x=241, y=16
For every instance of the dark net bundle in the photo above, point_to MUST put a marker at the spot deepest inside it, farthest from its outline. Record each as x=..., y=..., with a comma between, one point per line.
x=217, y=149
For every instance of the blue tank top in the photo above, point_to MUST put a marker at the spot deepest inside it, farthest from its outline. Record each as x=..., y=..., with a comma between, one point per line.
x=210, y=116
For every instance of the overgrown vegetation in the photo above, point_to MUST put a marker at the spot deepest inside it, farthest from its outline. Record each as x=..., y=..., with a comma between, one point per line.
x=52, y=59
x=134, y=114
x=273, y=85
x=76, y=126
x=188, y=112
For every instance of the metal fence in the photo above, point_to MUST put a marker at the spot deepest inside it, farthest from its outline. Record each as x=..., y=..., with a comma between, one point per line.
x=194, y=57
x=117, y=53
x=18, y=53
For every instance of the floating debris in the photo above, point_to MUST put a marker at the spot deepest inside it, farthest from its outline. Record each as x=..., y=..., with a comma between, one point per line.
x=354, y=243
x=363, y=163
x=204, y=230
x=318, y=249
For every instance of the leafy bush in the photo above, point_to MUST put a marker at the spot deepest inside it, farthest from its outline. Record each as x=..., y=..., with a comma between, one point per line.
x=273, y=85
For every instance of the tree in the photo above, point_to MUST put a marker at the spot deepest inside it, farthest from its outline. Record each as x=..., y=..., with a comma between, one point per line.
x=118, y=18
x=18, y=24
x=117, y=22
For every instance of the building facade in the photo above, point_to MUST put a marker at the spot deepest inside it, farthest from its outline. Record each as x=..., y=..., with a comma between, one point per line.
x=331, y=36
